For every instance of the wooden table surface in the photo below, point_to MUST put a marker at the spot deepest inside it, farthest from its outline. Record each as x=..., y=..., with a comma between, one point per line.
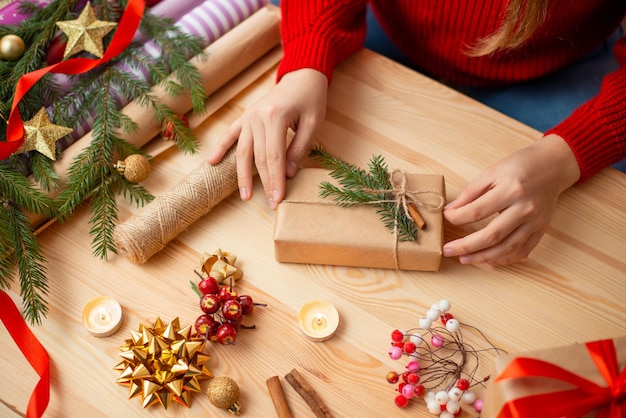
x=571, y=289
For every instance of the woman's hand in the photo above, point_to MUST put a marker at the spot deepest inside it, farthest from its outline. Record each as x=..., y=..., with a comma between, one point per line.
x=297, y=102
x=522, y=190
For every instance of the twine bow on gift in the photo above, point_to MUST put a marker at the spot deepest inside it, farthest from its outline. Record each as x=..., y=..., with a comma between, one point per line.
x=405, y=199
x=584, y=397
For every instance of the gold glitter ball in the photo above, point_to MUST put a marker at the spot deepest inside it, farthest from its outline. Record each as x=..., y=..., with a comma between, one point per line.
x=85, y=33
x=12, y=47
x=41, y=135
x=135, y=168
x=223, y=392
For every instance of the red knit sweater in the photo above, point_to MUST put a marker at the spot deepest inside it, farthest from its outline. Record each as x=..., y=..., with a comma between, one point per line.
x=435, y=33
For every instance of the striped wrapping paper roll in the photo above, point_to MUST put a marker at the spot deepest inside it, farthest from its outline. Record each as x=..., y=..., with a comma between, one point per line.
x=210, y=20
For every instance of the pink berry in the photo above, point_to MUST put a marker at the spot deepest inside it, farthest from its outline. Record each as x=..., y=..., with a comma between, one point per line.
x=395, y=353
x=408, y=391
x=413, y=366
x=437, y=341
x=478, y=405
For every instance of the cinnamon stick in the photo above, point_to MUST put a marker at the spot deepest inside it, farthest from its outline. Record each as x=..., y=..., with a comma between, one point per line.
x=415, y=215
x=309, y=395
x=278, y=397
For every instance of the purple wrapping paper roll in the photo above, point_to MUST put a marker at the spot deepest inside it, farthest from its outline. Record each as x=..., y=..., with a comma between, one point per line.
x=11, y=15
x=209, y=21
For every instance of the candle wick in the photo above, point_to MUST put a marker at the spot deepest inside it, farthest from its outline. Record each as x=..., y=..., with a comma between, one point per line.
x=104, y=316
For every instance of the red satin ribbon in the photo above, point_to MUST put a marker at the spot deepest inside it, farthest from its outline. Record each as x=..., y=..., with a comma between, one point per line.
x=32, y=350
x=126, y=28
x=583, y=398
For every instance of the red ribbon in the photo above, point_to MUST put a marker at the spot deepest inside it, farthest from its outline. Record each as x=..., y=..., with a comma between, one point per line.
x=32, y=350
x=584, y=397
x=126, y=28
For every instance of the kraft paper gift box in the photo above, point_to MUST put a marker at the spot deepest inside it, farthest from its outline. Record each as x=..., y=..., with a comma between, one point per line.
x=315, y=230
x=577, y=380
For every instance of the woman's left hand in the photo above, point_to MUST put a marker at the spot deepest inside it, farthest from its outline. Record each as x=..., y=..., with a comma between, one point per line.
x=522, y=190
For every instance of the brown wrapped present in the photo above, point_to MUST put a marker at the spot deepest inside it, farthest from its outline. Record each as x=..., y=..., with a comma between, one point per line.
x=578, y=380
x=311, y=229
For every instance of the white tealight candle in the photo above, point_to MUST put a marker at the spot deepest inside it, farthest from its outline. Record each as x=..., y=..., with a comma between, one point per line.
x=102, y=316
x=318, y=320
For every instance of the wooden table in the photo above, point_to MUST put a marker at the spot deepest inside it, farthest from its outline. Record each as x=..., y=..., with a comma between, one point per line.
x=571, y=289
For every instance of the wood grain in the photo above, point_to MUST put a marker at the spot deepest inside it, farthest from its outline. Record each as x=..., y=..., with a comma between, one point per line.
x=571, y=289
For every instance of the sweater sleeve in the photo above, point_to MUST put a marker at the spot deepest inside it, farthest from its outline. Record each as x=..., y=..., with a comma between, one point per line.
x=596, y=131
x=319, y=34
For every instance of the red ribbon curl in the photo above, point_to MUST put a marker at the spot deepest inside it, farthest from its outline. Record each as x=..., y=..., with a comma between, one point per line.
x=128, y=24
x=576, y=402
x=32, y=350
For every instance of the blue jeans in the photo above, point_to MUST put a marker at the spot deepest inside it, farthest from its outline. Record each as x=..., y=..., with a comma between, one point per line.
x=542, y=103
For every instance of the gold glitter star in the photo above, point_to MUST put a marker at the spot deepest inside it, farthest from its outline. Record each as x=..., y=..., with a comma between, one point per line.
x=42, y=135
x=85, y=33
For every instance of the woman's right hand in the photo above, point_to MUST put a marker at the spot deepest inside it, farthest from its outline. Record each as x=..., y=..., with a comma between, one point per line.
x=297, y=102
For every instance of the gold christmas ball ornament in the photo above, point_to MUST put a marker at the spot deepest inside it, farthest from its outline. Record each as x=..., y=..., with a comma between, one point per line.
x=12, y=47
x=223, y=392
x=135, y=168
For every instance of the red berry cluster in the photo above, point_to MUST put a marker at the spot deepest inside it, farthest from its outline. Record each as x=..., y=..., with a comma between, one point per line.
x=223, y=311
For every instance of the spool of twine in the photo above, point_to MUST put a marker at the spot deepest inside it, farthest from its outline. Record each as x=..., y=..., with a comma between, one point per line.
x=149, y=231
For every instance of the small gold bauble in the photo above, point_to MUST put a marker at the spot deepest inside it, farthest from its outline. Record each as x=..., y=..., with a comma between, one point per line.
x=223, y=392
x=135, y=168
x=12, y=47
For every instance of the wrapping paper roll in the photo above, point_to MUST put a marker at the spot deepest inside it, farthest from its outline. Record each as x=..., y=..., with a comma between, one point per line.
x=227, y=57
x=208, y=20
x=148, y=232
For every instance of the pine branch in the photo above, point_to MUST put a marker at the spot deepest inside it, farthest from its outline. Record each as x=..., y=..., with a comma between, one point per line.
x=20, y=191
x=30, y=262
x=103, y=208
x=360, y=187
x=42, y=171
x=7, y=259
x=131, y=191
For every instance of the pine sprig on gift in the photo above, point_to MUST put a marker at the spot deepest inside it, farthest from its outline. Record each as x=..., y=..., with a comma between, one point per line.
x=360, y=187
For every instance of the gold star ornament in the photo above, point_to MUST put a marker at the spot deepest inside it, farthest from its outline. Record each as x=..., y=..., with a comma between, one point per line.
x=85, y=33
x=41, y=135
